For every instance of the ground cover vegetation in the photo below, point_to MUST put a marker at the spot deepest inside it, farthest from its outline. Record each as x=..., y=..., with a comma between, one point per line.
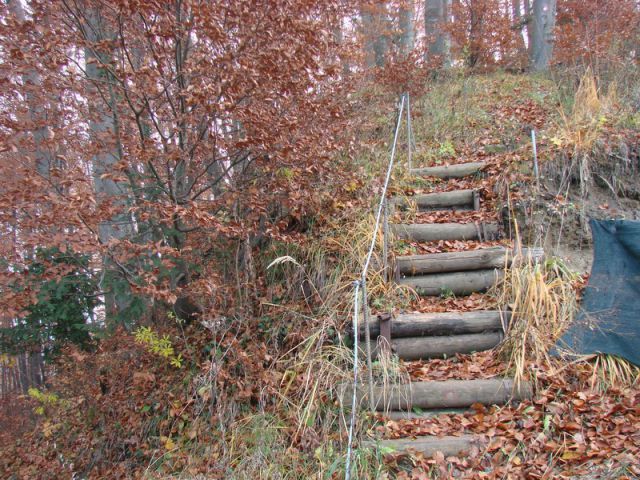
x=187, y=197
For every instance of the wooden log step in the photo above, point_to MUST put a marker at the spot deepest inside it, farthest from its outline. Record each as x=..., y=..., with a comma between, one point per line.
x=440, y=394
x=485, y=258
x=449, y=446
x=457, y=199
x=423, y=348
x=433, y=232
x=426, y=414
x=435, y=324
x=459, y=170
x=456, y=283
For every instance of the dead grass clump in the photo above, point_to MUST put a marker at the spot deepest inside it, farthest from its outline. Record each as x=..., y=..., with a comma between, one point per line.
x=543, y=302
x=580, y=129
x=611, y=371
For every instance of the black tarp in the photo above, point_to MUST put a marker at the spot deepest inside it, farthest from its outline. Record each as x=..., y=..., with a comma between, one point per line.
x=609, y=319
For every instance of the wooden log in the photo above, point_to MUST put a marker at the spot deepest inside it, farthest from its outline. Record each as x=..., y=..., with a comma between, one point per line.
x=422, y=348
x=434, y=324
x=456, y=283
x=442, y=394
x=476, y=200
x=459, y=170
x=426, y=414
x=449, y=446
x=485, y=258
x=457, y=199
x=433, y=232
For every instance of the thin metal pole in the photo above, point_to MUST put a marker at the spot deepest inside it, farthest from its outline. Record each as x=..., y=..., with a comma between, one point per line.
x=409, y=132
x=376, y=229
x=384, y=192
x=365, y=318
x=385, y=240
x=361, y=283
x=352, y=421
x=535, y=156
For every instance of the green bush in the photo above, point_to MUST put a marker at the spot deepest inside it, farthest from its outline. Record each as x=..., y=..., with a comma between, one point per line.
x=63, y=309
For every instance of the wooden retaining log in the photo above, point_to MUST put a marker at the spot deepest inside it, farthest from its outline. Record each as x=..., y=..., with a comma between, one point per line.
x=426, y=414
x=433, y=232
x=422, y=348
x=429, y=446
x=442, y=394
x=459, y=170
x=435, y=324
x=485, y=258
x=457, y=283
x=457, y=199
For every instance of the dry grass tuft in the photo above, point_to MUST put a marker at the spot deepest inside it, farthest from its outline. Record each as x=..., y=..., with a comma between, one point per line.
x=580, y=129
x=611, y=371
x=543, y=303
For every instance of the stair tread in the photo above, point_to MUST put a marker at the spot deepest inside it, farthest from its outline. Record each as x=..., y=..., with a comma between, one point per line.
x=441, y=225
x=465, y=260
x=408, y=325
x=456, y=283
x=454, y=381
x=418, y=316
x=466, y=253
x=439, y=346
x=458, y=170
x=437, y=194
x=429, y=445
x=431, y=232
x=441, y=393
x=463, y=199
x=425, y=414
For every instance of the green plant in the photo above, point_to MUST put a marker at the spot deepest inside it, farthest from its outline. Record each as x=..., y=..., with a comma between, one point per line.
x=157, y=345
x=446, y=150
x=446, y=292
x=63, y=307
x=45, y=400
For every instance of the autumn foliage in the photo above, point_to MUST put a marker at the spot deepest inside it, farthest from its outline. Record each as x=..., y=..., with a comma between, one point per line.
x=157, y=156
x=198, y=123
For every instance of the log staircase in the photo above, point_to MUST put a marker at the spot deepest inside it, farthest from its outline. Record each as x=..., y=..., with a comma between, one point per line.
x=423, y=336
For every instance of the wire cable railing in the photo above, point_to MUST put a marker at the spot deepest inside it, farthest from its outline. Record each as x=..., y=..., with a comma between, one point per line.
x=360, y=285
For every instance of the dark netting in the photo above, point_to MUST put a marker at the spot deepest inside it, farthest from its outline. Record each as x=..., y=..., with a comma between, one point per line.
x=609, y=320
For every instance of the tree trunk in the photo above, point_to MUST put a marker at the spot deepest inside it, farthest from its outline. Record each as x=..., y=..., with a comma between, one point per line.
x=104, y=134
x=35, y=360
x=435, y=20
x=338, y=36
x=519, y=25
x=475, y=33
x=527, y=20
x=407, y=31
x=375, y=35
x=542, y=26
x=37, y=109
x=23, y=372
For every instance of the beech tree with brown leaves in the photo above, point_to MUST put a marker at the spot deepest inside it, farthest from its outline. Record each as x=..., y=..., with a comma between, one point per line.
x=169, y=123
x=161, y=164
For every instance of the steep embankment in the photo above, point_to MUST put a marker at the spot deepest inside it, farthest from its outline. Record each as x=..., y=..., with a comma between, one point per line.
x=473, y=201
